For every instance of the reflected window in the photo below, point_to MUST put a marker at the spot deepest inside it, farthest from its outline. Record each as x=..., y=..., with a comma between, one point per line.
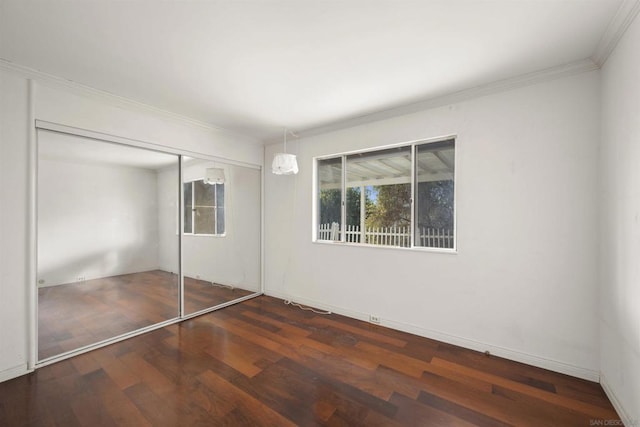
x=204, y=208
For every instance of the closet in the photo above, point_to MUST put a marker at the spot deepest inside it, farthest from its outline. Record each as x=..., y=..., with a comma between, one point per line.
x=132, y=236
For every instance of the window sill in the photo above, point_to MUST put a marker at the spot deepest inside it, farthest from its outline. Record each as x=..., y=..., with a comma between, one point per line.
x=412, y=249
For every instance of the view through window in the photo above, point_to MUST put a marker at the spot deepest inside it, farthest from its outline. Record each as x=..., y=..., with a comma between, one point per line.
x=402, y=196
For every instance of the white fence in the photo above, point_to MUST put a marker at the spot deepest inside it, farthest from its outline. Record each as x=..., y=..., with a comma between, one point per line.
x=389, y=236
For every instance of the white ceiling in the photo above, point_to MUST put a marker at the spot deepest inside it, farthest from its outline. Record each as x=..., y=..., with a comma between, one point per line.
x=256, y=66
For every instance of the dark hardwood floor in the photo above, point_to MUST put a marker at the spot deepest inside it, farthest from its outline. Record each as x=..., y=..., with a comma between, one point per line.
x=199, y=294
x=263, y=363
x=73, y=315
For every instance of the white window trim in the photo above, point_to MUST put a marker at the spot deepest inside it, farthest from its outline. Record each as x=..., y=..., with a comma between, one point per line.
x=413, y=144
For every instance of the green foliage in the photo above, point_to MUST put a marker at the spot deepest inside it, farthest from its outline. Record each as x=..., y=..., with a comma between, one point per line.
x=330, y=201
x=392, y=206
x=353, y=206
x=435, y=204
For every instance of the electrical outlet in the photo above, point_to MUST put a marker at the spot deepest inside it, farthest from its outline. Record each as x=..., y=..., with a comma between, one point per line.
x=80, y=279
x=374, y=319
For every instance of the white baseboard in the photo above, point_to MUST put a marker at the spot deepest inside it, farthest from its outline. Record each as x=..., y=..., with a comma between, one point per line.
x=624, y=415
x=515, y=355
x=14, y=372
x=88, y=278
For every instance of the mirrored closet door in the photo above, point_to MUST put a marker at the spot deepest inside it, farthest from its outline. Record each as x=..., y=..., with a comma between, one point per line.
x=221, y=233
x=108, y=260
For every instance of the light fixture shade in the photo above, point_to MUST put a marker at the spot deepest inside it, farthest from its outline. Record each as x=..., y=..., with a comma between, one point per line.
x=214, y=176
x=284, y=164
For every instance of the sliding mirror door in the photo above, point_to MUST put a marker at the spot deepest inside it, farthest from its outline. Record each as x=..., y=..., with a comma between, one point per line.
x=107, y=260
x=221, y=233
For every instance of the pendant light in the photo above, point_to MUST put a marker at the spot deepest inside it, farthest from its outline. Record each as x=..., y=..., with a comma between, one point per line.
x=284, y=163
x=214, y=176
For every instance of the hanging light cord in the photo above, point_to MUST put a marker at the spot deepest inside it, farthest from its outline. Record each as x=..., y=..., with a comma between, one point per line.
x=305, y=308
x=285, y=140
x=288, y=132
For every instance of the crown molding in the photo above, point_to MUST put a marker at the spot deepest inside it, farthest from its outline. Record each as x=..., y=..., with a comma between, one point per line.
x=523, y=80
x=618, y=25
x=117, y=100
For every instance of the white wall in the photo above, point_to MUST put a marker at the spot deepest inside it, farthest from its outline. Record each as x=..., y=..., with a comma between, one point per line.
x=70, y=105
x=230, y=260
x=168, y=238
x=619, y=318
x=13, y=224
x=94, y=220
x=523, y=283
x=79, y=109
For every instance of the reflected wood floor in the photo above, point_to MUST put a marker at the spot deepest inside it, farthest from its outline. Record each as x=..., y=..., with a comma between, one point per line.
x=263, y=363
x=73, y=315
x=199, y=294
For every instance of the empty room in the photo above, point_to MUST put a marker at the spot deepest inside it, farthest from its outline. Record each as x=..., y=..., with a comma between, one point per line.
x=285, y=212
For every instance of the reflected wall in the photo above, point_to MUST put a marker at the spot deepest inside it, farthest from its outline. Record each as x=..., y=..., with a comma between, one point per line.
x=99, y=238
x=221, y=232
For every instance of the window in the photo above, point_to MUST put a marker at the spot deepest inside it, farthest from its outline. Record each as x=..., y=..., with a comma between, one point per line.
x=330, y=198
x=203, y=208
x=399, y=197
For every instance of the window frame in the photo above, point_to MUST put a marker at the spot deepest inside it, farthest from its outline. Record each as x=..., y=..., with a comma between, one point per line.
x=215, y=220
x=413, y=148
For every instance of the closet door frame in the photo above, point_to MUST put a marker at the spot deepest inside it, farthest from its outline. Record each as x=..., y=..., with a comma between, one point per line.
x=32, y=329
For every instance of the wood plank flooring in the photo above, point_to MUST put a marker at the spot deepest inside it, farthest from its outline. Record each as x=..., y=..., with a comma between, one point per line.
x=263, y=363
x=73, y=315
x=199, y=294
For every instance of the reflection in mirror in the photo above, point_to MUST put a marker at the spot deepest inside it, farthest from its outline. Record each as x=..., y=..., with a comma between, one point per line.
x=221, y=240
x=101, y=270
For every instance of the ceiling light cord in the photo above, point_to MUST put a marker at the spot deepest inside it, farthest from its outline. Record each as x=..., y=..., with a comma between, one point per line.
x=285, y=140
x=288, y=132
